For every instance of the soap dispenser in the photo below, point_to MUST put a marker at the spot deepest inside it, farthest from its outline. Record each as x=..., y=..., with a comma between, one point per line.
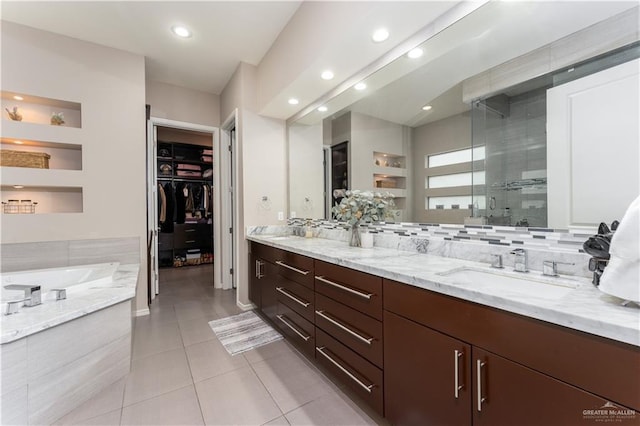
x=308, y=231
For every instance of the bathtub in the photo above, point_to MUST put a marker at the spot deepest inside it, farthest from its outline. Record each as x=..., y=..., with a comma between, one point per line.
x=63, y=352
x=70, y=278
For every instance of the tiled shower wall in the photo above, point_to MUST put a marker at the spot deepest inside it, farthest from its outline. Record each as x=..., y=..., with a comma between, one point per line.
x=516, y=147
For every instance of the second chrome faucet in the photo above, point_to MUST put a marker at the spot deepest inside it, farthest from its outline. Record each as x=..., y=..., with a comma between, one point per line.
x=520, y=261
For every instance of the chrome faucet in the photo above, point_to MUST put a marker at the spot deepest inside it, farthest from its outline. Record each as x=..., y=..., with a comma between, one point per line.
x=550, y=267
x=32, y=293
x=520, y=262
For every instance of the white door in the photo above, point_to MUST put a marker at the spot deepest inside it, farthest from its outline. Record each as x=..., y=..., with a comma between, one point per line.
x=152, y=206
x=593, y=140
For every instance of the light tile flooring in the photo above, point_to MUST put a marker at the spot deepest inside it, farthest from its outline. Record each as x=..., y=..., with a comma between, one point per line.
x=181, y=374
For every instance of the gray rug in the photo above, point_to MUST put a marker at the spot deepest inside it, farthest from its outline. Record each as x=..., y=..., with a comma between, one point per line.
x=243, y=332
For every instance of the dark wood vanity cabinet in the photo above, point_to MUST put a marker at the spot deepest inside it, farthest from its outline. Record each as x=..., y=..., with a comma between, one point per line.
x=513, y=369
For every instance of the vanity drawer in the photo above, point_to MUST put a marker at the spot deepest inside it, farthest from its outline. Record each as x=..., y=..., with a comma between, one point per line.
x=296, y=296
x=359, y=332
x=297, y=329
x=265, y=252
x=296, y=267
x=350, y=368
x=358, y=290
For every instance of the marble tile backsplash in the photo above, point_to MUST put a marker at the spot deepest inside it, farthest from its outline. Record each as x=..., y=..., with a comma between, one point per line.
x=52, y=254
x=467, y=242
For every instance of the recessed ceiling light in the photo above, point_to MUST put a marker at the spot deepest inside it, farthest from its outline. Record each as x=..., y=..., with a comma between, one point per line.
x=18, y=186
x=415, y=53
x=427, y=107
x=380, y=35
x=18, y=98
x=18, y=142
x=181, y=31
x=360, y=86
x=323, y=109
x=293, y=101
x=327, y=75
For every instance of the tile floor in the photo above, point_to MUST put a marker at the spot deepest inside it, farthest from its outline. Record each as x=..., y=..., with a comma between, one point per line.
x=181, y=374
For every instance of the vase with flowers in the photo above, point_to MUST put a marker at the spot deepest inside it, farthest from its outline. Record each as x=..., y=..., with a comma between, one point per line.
x=358, y=207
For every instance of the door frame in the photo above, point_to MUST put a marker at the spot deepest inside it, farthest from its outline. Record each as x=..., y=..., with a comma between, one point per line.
x=152, y=189
x=228, y=165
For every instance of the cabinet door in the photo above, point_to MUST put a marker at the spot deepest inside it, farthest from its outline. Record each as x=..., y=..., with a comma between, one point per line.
x=427, y=375
x=506, y=393
x=268, y=294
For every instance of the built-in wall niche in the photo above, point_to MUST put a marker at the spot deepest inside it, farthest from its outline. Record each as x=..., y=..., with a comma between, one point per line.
x=49, y=199
x=382, y=159
x=62, y=156
x=389, y=181
x=25, y=108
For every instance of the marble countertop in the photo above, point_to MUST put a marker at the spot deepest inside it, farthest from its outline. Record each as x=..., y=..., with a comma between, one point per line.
x=51, y=313
x=582, y=308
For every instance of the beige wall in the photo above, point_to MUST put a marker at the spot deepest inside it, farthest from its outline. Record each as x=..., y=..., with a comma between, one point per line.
x=109, y=84
x=306, y=171
x=261, y=152
x=444, y=135
x=182, y=104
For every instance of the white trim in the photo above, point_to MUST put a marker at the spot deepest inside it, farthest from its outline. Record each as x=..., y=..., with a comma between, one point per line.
x=246, y=307
x=164, y=122
x=142, y=312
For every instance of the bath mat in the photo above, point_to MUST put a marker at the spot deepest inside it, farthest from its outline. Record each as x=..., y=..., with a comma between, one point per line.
x=243, y=332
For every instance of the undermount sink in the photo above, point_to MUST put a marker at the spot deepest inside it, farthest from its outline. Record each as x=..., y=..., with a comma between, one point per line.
x=505, y=282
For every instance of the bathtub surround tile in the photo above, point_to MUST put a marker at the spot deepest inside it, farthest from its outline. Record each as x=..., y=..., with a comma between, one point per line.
x=209, y=359
x=39, y=255
x=223, y=399
x=154, y=338
x=53, y=395
x=290, y=381
x=13, y=366
x=14, y=406
x=157, y=374
x=280, y=421
x=122, y=250
x=179, y=407
x=108, y=419
x=75, y=339
x=103, y=404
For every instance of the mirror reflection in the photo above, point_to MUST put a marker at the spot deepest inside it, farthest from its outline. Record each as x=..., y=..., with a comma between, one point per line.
x=459, y=128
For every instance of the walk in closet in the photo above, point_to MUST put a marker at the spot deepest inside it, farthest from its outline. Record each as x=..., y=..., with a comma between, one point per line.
x=184, y=175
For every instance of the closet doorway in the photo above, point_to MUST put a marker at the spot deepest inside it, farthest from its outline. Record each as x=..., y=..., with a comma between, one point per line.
x=183, y=198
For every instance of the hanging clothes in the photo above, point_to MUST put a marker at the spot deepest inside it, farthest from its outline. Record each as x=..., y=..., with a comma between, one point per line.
x=162, y=204
x=167, y=225
x=189, y=203
x=181, y=202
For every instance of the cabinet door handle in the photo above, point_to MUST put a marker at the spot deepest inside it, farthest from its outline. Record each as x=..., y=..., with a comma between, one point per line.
x=300, y=271
x=345, y=371
x=481, y=399
x=345, y=328
x=302, y=336
x=189, y=230
x=456, y=372
x=259, y=265
x=292, y=297
x=190, y=241
x=347, y=289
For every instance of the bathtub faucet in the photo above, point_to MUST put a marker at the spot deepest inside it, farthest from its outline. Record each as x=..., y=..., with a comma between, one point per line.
x=31, y=293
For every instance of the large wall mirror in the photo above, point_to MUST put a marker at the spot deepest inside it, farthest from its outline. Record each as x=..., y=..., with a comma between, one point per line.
x=517, y=114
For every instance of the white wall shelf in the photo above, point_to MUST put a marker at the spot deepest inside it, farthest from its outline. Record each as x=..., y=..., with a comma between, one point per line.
x=50, y=199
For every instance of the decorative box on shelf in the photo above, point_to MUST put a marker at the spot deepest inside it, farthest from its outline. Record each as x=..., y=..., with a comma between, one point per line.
x=34, y=160
x=385, y=184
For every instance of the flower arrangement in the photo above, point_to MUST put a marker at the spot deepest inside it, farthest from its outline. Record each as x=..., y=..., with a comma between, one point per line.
x=57, y=118
x=363, y=207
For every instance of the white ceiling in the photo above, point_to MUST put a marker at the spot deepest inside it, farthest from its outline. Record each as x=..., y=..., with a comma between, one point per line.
x=224, y=33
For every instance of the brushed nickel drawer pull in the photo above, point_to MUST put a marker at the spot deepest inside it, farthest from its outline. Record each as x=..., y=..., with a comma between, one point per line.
x=189, y=230
x=347, y=289
x=345, y=371
x=345, y=328
x=190, y=241
x=281, y=318
x=456, y=372
x=295, y=299
x=259, y=265
x=300, y=271
x=481, y=399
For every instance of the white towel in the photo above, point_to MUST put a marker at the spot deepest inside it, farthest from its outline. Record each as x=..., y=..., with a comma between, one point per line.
x=621, y=277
